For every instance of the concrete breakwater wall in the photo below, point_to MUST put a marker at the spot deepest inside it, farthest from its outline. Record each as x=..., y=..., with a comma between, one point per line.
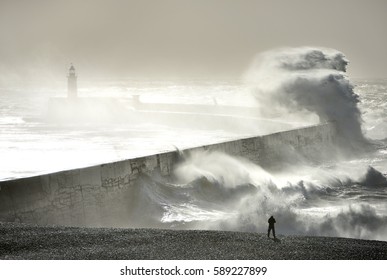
x=105, y=195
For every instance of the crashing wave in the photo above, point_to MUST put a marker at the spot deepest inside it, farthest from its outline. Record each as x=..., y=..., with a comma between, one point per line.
x=302, y=82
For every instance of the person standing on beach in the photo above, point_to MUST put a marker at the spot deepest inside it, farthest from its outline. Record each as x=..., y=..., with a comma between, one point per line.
x=271, y=222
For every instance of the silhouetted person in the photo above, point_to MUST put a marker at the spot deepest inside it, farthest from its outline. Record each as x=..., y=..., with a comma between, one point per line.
x=271, y=222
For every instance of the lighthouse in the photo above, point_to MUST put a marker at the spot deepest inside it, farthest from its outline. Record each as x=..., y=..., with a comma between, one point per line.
x=72, y=83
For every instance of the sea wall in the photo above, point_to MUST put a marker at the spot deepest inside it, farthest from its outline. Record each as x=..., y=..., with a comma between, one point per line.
x=105, y=195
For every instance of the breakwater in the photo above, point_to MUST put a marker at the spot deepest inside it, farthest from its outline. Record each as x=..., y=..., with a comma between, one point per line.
x=105, y=195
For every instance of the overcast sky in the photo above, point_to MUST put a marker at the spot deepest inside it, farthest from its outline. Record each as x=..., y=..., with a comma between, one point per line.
x=182, y=38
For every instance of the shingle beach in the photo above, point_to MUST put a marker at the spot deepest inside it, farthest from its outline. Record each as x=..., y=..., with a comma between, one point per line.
x=21, y=241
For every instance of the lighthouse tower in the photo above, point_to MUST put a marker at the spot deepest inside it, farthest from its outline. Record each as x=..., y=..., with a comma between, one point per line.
x=72, y=90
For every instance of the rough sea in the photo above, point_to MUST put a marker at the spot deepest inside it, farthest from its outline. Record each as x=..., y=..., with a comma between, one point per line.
x=344, y=197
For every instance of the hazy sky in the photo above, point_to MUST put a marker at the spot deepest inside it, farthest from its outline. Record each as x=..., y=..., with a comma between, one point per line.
x=181, y=38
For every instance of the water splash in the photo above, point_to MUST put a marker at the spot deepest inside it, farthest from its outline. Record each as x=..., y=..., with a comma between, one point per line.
x=308, y=82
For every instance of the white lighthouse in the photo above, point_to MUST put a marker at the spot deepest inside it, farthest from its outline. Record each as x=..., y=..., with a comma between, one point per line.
x=72, y=90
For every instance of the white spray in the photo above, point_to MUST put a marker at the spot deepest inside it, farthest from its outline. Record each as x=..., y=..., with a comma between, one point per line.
x=306, y=82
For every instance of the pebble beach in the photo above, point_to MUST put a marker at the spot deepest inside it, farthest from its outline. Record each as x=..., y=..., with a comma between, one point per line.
x=31, y=242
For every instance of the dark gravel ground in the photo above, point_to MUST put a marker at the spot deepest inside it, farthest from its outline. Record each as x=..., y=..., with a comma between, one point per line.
x=21, y=241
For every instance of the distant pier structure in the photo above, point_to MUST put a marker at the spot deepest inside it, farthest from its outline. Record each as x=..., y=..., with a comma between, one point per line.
x=72, y=91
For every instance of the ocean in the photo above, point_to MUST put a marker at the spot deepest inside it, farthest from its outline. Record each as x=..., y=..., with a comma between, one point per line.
x=33, y=143
x=345, y=196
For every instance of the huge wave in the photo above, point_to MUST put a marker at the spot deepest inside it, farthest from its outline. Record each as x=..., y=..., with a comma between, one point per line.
x=213, y=190
x=308, y=83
